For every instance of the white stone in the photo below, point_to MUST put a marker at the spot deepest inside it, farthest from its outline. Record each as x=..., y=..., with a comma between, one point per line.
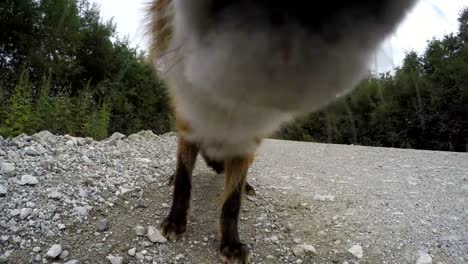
x=303, y=249
x=15, y=212
x=424, y=258
x=7, y=167
x=140, y=230
x=25, y=212
x=28, y=180
x=54, y=251
x=55, y=195
x=131, y=252
x=3, y=190
x=73, y=261
x=155, y=236
x=357, y=251
x=115, y=259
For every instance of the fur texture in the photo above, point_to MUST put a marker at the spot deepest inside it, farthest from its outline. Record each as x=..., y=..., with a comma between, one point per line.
x=236, y=77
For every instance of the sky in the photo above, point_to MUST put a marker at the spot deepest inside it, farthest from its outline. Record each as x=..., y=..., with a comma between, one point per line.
x=428, y=19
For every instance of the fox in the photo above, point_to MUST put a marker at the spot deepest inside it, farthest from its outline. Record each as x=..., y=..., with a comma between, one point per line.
x=237, y=70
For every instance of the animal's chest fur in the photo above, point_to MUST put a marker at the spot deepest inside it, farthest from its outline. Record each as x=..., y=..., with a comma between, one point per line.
x=224, y=126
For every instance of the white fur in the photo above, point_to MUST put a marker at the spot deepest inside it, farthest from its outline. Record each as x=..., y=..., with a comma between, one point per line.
x=233, y=85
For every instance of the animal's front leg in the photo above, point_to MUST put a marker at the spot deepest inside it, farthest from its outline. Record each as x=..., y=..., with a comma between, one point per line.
x=175, y=223
x=232, y=250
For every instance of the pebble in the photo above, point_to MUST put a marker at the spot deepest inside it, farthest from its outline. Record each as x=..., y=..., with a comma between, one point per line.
x=140, y=230
x=8, y=167
x=28, y=180
x=54, y=251
x=3, y=190
x=179, y=257
x=303, y=249
x=54, y=195
x=25, y=212
x=131, y=252
x=165, y=205
x=36, y=249
x=15, y=212
x=155, y=236
x=297, y=240
x=115, y=259
x=140, y=256
x=64, y=254
x=274, y=239
x=86, y=159
x=357, y=251
x=61, y=226
x=326, y=197
x=103, y=225
x=73, y=261
x=115, y=136
x=31, y=151
x=424, y=258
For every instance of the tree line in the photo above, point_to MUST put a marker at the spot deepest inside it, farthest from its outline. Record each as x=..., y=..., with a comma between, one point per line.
x=65, y=70
x=422, y=105
x=61, y=71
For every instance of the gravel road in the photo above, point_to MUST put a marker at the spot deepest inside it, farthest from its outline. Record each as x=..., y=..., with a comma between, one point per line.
x=75, y=200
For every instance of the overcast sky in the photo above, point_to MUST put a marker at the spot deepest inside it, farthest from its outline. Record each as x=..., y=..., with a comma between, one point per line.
x=429, y=19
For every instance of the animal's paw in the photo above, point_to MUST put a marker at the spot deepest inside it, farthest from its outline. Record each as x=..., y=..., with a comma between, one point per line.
x=173, y=229
x=249, y=190
x=235, y=254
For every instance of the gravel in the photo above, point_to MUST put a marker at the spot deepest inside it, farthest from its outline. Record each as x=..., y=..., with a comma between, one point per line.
x=76, y=200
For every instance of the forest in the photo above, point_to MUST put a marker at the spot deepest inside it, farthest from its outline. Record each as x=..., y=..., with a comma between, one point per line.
x=64, y=69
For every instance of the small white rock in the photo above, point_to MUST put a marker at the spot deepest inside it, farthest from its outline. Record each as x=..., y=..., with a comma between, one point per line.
x=61, y=226
x=302, y=249
x=54, y=251
x=140, y=230
x=131, y=252
x=28, y=180
x=165, y=205
x=103, y=225
x=155, y=236
x=140, y=256
x=115, y=259
x=274, y=239
x=7, y=167
x=357, y=251
x=54, y=195
x=25, y=212
x=179, y=257
x=3, y=190
x=36, y=249
x=64, y=254
x=73, y=261
x=15, y=212
x=424, y=258
x=297, y=240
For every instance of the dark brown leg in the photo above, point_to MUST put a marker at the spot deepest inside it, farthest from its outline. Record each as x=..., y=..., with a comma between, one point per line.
x=232, y=250
x=218, y=167
x=175, y=223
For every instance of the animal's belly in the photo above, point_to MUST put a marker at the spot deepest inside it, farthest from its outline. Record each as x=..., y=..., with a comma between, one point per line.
x=226, y=128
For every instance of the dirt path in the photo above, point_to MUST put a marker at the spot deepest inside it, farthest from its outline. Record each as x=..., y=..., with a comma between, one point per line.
x=397, y=206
